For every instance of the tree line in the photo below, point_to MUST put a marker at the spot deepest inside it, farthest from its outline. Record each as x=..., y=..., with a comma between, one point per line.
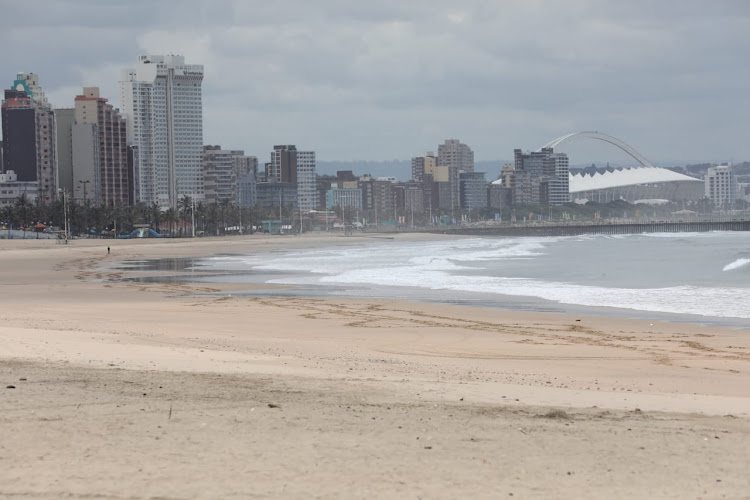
x=87, y=218
x=216, y=219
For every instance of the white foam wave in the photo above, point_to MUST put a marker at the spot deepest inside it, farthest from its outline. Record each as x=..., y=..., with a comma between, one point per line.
x=458, y=265
x=736, y=264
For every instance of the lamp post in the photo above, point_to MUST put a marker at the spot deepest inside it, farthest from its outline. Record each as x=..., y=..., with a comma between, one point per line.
x=395, y=224
x=192, y=208
x=65, y=211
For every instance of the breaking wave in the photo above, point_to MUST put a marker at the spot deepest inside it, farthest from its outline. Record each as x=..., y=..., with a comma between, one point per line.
x=736, y=264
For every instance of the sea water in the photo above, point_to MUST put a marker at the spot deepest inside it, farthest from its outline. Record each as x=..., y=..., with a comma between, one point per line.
x=694, y=274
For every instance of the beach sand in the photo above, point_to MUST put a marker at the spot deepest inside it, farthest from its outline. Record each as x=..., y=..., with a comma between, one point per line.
x=167, y=390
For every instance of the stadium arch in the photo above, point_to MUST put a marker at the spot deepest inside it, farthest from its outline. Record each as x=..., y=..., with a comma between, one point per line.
x=605, y=138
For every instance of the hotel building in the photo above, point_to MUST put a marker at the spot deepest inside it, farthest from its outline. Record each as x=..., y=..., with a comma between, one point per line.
x=29, y=138
x=162, y=101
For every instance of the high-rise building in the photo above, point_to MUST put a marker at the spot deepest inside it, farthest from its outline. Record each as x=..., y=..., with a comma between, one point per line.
x=220, y=174
x=283, y=166
x=506, y=175
x=556, y=179
x=721, y=186
x=247, y=193
x=453, y=153
x=64, y=120
x=29, y=82
x=246, y=168
x=101, y=171
x=540, y=177
x=473, y=190
x=343, y=197
x=306, y=193
x=275, y=195
x=448, y=186
x=422, y=164
x=414, y=199
x=29, y=137
x=246, y=165
x=162, y=101
x=378, y=196
x=296, y=167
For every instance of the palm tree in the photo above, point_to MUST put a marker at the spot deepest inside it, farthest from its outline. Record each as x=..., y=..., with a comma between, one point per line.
x=131, y=215
x=213, y=215
x=116, y=213
x=22, y=207
x=224, y=209
x=200, y=214
x=170, y=217
x=154, y=215
x=185, y=209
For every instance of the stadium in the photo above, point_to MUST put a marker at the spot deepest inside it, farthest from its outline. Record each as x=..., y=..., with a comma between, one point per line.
x=637, y=184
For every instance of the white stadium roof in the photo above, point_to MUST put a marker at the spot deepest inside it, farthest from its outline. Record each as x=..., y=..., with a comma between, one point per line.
x=580, y=183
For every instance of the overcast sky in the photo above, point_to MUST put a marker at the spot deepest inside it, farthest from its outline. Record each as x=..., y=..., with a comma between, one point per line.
x=391, y=79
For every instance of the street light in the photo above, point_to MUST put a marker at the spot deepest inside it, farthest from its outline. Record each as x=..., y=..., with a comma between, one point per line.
x=65, y=211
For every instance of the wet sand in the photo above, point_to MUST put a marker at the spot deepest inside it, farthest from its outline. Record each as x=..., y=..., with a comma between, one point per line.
x=157, y=390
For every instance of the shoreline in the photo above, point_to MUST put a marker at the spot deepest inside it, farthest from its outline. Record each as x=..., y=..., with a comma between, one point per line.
x=172, y=270
x=171, y=384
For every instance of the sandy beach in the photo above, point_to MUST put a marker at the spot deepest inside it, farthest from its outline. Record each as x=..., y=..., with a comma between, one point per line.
x=118, y=389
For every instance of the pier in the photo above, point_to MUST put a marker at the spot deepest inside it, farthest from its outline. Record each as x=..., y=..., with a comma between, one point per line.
x=609, y=227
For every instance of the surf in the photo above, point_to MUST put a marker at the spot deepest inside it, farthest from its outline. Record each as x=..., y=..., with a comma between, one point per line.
x=736, y=264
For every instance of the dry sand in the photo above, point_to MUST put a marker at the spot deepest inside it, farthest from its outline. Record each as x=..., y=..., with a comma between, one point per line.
x=130, y=390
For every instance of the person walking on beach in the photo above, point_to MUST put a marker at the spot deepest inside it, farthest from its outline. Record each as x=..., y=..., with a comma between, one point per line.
x=107, y=249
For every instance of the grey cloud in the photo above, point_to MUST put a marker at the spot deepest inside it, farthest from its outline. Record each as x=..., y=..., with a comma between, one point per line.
x=378, y=80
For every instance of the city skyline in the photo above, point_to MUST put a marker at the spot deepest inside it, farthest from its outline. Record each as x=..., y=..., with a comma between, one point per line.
x=390, y=81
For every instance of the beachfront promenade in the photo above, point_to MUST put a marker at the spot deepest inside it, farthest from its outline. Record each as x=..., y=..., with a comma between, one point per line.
x=608, y=227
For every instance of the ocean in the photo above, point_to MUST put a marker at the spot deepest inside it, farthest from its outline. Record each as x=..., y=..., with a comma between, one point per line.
x=703, y=277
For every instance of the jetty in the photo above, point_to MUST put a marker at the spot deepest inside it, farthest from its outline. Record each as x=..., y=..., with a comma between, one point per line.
x=609, y=227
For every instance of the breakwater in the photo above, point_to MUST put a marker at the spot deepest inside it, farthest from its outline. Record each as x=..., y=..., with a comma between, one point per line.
x=573, y=229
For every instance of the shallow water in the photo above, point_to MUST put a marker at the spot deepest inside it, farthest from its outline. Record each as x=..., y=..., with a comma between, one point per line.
x=703, y=277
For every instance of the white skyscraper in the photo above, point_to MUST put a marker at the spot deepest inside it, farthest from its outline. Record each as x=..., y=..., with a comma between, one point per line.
x=721, y=186
x=307, y=195
x=162, y=101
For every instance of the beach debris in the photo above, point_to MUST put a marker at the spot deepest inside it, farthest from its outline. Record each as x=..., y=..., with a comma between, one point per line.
x=273, y=405
x=428, y=447
x=556, y=414
x=578, y=320
x=10, y=386
x=22, y=379
x=521, y=430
